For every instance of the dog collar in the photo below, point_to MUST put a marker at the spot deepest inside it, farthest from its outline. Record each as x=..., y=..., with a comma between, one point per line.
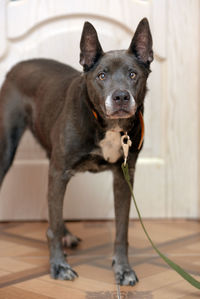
x=95, y=114
x=141, y=125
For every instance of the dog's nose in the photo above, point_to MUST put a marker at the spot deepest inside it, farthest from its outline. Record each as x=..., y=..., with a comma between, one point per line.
x=121, y=96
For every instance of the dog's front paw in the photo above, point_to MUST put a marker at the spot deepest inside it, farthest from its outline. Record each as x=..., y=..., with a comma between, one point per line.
x=62, y=271
x=124, y=275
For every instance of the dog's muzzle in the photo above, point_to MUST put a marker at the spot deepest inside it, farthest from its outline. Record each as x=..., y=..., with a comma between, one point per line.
x=120, y=104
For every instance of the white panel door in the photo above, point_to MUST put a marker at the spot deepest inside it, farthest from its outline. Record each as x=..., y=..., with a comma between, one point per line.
x=52, y=29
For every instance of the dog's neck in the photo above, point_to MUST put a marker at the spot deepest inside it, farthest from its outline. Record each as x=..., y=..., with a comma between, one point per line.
x=115, y=125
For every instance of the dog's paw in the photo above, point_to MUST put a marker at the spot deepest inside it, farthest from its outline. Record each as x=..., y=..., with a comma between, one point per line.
x=124, y=275
x=62, y=271
x=70, y=241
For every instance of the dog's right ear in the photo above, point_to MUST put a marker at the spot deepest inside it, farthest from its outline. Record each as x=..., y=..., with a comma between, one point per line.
x=90, y=47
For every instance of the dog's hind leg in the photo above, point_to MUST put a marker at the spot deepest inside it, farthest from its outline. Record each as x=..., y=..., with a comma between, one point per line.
x=69, y=240
x=12, y=126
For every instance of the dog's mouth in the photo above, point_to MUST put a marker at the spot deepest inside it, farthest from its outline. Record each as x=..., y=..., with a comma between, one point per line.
x=120, y=113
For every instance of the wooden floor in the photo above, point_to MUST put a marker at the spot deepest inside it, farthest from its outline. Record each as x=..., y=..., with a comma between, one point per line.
x=24, y=261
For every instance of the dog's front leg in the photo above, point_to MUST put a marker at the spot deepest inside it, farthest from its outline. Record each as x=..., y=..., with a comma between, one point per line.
x=123, y=273
x=59, y=268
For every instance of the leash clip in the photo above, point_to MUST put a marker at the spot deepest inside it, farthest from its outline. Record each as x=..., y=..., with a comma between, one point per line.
x=125, y=143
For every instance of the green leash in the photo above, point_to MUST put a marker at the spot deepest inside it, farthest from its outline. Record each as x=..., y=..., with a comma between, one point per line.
x=174, y=266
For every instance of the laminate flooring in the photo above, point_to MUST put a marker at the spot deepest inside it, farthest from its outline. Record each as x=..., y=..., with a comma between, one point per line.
x=24, y=270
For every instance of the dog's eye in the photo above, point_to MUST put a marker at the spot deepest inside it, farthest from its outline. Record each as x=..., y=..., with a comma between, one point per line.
x=132, y=75
x=102, y=76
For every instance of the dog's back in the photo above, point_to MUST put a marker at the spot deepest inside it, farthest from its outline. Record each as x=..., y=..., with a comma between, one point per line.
x=30, y=89
x=29, y=76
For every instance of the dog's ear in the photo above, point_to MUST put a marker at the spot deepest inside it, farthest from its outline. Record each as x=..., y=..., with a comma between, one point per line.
x=141, y=44
x=90, y=47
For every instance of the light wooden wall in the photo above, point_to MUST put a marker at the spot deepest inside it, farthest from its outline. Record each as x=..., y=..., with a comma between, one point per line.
x=182, y=111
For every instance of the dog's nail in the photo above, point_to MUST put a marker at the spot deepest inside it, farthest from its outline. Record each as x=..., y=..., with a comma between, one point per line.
x=113, y=263
x=75, y=273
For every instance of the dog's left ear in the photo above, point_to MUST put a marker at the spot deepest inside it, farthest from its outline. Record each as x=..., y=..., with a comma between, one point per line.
x=90, y=47
x=141, y=44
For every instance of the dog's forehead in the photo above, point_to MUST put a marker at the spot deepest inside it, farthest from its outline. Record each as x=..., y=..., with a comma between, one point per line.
x=117, y=59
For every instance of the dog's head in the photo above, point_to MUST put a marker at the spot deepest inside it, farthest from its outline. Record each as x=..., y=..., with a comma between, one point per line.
x=116, y=80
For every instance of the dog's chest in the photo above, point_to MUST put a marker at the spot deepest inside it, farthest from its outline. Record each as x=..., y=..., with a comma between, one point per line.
x=111, y=146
